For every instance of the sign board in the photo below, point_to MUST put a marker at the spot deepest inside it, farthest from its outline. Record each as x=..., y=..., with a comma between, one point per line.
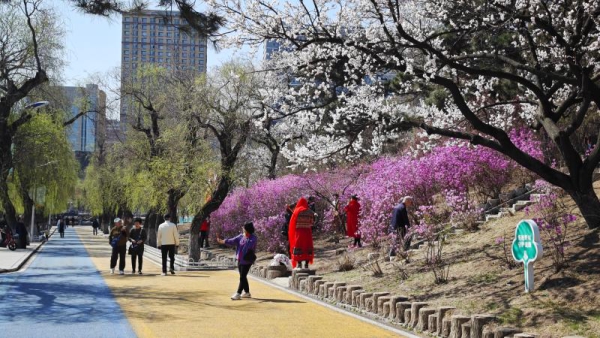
x=526, y=248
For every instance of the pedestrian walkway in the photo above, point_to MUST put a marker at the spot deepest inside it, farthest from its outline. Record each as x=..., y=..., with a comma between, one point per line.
x=194, y=304
x=60, y=294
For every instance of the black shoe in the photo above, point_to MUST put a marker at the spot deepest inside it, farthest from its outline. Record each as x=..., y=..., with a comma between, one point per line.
x=172, y=272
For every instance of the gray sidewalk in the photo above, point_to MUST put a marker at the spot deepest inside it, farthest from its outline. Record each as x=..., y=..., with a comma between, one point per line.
x=11, y=261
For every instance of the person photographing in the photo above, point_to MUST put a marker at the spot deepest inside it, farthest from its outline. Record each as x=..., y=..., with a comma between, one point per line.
x=245, y=253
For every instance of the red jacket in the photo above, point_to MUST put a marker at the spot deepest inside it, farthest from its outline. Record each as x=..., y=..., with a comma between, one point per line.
x=205, y=226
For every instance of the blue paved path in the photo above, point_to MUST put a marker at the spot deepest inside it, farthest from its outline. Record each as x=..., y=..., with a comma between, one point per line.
x=61, y=294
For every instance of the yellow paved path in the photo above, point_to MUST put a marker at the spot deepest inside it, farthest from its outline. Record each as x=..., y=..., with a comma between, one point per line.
x=197, y=304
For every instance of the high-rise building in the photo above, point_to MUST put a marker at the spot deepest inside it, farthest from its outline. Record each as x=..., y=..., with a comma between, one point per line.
x=157, y=37
x=83, y=131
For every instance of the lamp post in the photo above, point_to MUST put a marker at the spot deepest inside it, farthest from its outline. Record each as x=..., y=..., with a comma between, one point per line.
x=35, y=105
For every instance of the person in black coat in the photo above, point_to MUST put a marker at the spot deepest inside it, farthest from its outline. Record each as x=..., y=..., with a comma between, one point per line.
x=138, y=237
x=401, y=223
x=95, y=225
x=22, y=232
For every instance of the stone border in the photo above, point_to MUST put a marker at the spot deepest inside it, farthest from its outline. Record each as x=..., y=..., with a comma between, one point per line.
x=418, y=318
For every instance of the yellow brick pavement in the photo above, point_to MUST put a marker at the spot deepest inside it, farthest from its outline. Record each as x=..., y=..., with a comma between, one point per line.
x=197, y=304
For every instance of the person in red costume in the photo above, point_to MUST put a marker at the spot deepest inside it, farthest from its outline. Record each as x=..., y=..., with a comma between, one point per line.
x=352, y=210
x=300, y=234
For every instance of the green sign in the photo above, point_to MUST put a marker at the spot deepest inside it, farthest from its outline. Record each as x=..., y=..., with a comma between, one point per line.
x=526, y=248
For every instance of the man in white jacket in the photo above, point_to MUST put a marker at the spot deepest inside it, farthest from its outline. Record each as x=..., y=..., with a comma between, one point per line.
x=167, y=239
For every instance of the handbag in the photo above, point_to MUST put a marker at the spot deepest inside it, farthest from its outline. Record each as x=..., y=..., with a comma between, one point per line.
x=133, y=248
x=115, y=241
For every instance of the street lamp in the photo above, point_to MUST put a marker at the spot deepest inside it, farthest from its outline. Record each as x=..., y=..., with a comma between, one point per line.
x=35, y=105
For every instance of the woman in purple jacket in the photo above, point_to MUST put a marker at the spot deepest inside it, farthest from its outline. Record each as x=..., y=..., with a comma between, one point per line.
x=244, y=243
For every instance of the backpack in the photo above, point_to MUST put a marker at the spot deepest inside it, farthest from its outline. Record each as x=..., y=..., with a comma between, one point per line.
x=115, y=241
x=305, y=220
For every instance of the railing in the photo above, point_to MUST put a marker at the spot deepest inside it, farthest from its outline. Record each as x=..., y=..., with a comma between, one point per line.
x=182, y=263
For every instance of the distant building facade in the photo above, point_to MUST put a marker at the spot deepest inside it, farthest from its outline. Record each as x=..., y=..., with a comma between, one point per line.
x=83, y=132
x=156, y=37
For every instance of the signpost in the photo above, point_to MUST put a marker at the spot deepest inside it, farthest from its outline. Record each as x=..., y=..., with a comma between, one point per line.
x=526, y=248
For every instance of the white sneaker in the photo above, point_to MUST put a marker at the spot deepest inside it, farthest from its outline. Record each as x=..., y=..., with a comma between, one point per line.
x=236, y=296
x=163, y=274
x=246, y=295
x=112, y=271
x=121, y=272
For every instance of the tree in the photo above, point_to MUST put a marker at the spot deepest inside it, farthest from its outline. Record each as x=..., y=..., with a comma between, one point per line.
x=43, y=162
x=461, y=69
x=226, y=105
x=29, y=52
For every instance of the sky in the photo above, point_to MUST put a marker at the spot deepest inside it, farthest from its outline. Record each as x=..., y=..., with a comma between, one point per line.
x=93, y=45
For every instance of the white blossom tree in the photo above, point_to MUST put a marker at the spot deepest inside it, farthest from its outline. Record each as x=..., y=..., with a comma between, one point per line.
x=462, y=69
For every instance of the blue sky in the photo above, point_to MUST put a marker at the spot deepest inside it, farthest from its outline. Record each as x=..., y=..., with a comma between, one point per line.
x=93, y=45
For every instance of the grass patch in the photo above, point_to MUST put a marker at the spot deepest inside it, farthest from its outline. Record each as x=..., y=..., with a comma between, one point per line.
x=512, y=316
x=486, y=278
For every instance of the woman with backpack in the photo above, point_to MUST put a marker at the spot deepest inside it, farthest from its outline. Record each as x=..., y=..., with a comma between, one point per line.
x=246, y=255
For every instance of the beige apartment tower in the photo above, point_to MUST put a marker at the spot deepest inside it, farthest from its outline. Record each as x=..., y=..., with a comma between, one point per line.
x=155, y=37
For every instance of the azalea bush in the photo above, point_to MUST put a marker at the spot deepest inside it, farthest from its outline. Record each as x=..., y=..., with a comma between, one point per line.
x=451, y=177
x=433, y=229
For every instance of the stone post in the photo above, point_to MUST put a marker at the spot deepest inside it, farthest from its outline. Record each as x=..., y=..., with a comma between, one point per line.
x=363, y=299
x=400, y=308
x=423, y=321
x=356, y=297
x=456, y=326
x=442, y=312
x=311, y=283
x=407, y=317
x=446, y=325
x=477, y=324
x=375, y=304
x=350, y=293
x=414, y=316
x=432, y=324
x=336, y=289
x=391, y=306
x=381, y=302
x=466, y=330
x=525, y=335
x=318, y=287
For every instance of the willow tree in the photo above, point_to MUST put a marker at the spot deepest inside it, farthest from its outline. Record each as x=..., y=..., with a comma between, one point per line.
x=167, y=156
x=45, y=169
x=29, y=55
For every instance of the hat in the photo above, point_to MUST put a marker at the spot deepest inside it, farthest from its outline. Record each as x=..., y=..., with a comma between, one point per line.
x=249, y=227
x=117, y=220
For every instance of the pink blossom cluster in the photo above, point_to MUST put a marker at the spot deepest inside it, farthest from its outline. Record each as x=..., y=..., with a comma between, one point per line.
x=451, y=177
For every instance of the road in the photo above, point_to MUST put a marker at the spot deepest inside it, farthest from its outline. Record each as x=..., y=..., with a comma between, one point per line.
x=67, y=291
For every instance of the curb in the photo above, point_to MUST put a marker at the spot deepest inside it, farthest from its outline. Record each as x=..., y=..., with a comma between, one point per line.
x=377, y=323
x=24, y=261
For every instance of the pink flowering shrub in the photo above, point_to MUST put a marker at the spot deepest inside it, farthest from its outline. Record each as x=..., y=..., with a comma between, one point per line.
x=451, y=177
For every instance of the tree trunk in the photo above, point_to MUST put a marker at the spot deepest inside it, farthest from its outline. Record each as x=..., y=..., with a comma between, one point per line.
x=175, y=196
x=151, y=224
x=589, y=205
x=5, y=166
x=273, y=164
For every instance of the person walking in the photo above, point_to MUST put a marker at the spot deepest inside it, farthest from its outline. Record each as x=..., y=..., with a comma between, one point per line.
x=167, y=239
x=204, y=228
x=300, y=234
x=61, y=227
x=401, y=223
x=21, y=230
x=138, y=237
x=352, y=212
x=119, y=246
x=95, y=226
x=245, y=253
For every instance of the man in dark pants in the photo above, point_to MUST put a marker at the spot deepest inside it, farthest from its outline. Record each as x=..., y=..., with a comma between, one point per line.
x=119, y=250
x=22, y=232
x=400, y=223
x=167, y=239
x=95, y=226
